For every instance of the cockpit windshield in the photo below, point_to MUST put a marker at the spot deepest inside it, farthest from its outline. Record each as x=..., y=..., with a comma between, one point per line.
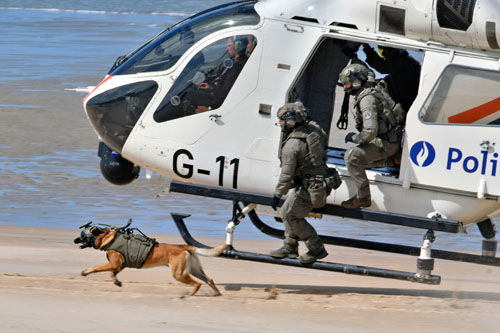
x=165, y=50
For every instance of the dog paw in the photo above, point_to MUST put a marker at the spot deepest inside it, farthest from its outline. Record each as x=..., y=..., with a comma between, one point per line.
x=118, y=283
x=83, y=273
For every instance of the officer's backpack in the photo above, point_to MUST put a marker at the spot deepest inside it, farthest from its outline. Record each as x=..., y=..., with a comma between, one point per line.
x=318, y=186
x=312, y=134
x=393, y=114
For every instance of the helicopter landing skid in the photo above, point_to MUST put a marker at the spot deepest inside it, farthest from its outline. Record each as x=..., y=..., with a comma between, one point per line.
x=232, y=253
x=489, y=260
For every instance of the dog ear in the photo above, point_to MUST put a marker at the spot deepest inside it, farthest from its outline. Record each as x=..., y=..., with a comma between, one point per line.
x=101, y=234
x=96, y=231
x=97, y=242
x=107, y=238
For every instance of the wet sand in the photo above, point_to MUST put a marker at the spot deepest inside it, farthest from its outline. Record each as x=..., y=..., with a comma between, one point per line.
x=41, y=290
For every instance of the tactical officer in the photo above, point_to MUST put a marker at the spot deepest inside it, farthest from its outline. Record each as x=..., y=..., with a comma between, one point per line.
x=403, y=70
x=303, y=163
x=379, y=121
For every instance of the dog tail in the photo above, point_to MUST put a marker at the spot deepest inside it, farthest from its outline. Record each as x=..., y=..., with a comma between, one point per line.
x=211, y=252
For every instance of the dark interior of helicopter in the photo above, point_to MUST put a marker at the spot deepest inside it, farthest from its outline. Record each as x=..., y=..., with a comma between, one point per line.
x=319, y=89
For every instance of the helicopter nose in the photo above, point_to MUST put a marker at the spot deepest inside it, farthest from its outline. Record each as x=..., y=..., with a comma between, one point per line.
x=114, y=113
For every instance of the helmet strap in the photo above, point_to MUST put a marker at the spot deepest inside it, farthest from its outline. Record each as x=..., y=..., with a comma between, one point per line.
x=356, y=83
x=290, y=123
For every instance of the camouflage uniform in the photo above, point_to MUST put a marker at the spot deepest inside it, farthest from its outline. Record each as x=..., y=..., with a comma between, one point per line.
x=295, y=170
x=377, y=139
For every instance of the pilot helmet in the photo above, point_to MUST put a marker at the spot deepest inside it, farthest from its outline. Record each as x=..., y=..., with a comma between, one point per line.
x=240, y=44
x=357, y=75
x=292, y=114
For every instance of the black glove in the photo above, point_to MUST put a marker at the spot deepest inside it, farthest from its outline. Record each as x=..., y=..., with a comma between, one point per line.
x=275, y=202
x=348, y=137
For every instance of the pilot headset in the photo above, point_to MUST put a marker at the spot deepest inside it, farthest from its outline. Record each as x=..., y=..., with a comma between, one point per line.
x=240, y=43
x=357, y=83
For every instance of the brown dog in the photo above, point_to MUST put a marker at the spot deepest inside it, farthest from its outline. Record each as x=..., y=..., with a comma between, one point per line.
x=182, y=259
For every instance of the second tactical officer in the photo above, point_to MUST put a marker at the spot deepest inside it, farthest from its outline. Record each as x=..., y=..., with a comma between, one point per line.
x=379, y=121
x=303, y=166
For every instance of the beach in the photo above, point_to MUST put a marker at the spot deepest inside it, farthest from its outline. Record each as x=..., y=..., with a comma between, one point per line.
x=41, y=290
x=50, y=184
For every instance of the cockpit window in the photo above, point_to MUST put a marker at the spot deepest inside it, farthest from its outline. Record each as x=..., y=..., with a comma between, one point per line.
x=207, y=79
x=162, y=52
x=464, y=96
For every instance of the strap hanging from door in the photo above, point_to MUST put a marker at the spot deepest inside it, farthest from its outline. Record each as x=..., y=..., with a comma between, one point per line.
x=344, y=113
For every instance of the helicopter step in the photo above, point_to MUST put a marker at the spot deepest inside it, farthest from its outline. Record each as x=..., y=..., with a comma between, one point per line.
x=319, y=265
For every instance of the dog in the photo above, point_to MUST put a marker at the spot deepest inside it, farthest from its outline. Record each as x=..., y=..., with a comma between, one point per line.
x=182, y=259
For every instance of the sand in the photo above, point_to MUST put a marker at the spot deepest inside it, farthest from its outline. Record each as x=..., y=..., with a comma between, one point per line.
x=41, y=290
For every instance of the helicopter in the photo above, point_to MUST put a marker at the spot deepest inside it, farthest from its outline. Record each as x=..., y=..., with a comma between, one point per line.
x=165, y=108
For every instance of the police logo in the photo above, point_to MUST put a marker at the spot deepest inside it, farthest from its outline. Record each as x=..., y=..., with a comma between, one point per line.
x=367, y=115
x=422, y=153
x=286, y=158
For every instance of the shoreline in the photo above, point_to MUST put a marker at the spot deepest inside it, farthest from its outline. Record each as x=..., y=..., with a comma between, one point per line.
x=42, y=290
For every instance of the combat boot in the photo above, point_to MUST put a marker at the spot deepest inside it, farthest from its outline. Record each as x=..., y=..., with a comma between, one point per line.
x=313, y=255
x=356, y=202
x=286, y=251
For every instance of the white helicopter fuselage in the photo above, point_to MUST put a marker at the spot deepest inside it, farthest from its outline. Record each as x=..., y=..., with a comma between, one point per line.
x=449, y=164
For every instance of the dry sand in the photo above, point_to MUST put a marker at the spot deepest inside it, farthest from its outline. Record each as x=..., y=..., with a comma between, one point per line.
x=41, y=290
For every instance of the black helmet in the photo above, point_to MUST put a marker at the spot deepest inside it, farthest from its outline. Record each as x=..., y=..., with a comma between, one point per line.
x=88, y=236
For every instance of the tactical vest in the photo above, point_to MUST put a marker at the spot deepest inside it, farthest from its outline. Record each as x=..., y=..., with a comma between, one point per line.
x=391, y=119
x=311, y=171
x=134, y=248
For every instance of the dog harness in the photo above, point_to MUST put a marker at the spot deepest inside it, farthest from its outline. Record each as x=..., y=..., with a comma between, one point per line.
x=134, y=248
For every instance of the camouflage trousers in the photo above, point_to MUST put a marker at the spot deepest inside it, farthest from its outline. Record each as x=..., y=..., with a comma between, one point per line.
x=293, y=212
x=365, y=156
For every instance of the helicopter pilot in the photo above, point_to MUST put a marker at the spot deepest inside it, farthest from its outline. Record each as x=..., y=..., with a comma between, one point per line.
x=212, y=94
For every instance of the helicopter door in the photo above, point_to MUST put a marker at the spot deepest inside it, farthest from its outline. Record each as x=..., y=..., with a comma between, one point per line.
x=452, y=133
x=207, y=88
x=316, y=85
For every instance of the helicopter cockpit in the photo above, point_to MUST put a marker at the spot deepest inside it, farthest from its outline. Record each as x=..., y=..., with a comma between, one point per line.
x=207, y=79
x=115, y=112
x=163, y=51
